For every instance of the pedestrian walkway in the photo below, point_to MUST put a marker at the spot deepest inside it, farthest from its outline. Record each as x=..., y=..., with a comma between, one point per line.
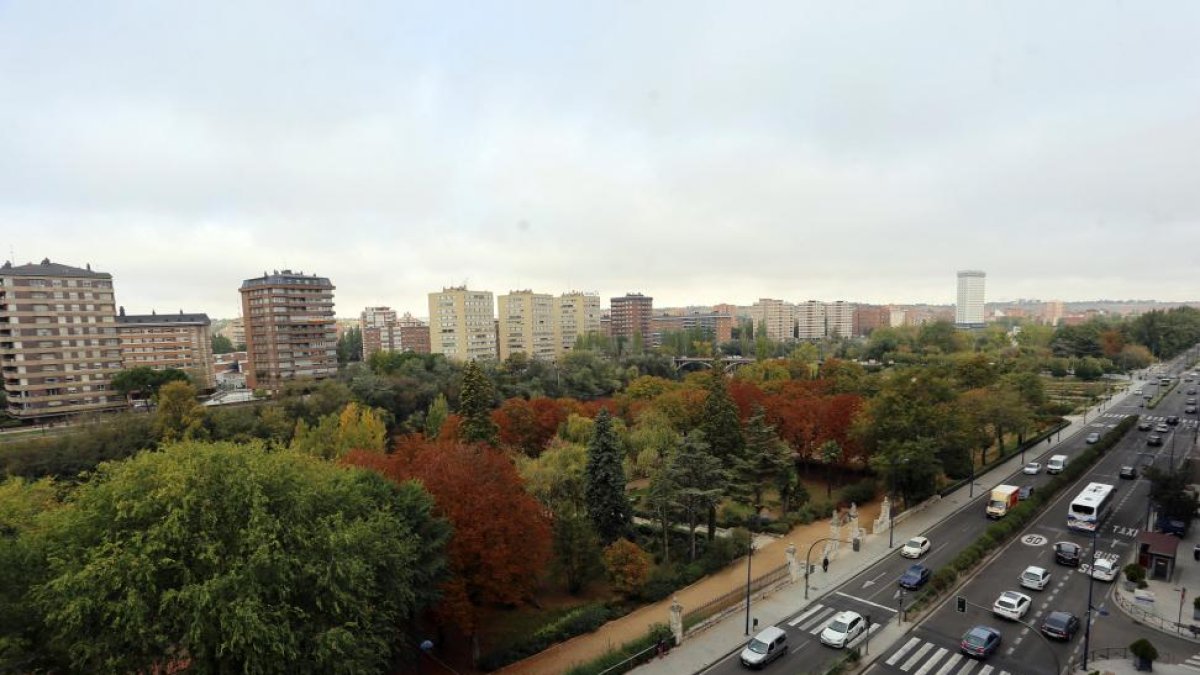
x=1166, y=605
x=920, y=658
x=706, y=647
x=1126, y=667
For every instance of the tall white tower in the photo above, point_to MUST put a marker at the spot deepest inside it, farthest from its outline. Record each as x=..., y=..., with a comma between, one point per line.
x=969, y=311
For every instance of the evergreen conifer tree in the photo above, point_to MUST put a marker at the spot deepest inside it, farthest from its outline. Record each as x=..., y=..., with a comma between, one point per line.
x=475, y=406
x=604, y=487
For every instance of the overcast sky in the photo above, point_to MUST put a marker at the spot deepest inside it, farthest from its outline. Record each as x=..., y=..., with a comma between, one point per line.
x=695, y=152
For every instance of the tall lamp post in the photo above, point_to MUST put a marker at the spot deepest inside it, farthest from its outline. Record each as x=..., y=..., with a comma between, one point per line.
x=1087, y=629
x=749, y=559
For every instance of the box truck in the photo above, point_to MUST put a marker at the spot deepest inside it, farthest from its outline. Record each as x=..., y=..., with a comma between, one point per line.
x=1004, y=498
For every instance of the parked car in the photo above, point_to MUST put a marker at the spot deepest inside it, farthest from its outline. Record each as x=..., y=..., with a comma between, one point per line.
x=1011, y=605
x=1154, y=439
x=1067, y=553
x=846, y=626
x=1032, y=468
x=915, y=547
x=1035, y=578
x=1128, y=472
x=1145, y=425
x=980, y=642
x=915, y=577
x=1191, y=410
x=1025, y=492
x=1060, y=625
x=1093, y=437
x=1191, y=391
x=768, y=645
x=1104, y=569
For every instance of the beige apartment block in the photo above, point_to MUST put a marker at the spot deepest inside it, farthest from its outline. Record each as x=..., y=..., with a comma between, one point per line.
x=810, y=320
x=777, y=316
x=578, y=316
x=161, y=341
x=290, y=328
x=526, y=324
x=59, y=346
x=462, y=324
x=235, y=330
x=839, y=319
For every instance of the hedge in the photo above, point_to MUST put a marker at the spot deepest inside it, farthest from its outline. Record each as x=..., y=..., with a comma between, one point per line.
x=614, y=657
x=582, y=619
x=999, y=532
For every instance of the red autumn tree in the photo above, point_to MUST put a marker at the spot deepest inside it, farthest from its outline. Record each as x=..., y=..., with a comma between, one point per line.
x=502, y=537
x=746, y=396
x=529, y=425
x=628, y=566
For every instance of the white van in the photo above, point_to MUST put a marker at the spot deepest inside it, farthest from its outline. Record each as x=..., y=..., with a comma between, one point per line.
x=1056, y=464
x=767, y=646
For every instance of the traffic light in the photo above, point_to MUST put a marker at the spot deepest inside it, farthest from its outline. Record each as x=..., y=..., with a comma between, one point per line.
x=962, y=604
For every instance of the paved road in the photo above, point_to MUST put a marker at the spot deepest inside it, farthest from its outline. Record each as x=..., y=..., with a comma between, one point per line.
x=932, y=647
x=875, y=593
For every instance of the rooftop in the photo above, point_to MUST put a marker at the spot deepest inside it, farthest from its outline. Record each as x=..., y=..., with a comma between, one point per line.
x=50, y=269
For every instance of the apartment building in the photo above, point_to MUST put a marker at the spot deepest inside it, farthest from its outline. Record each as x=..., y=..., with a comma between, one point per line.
x=527, y=323
x=462, y=324
x=776, y=317
x=376, y=317
x=290, y=328
x=969, y=310
x=59, y=346
x=631, y=316
x=869, y=317
x=161, y=341
x=235, y=330
x=810, y=320
x=839, y=319
x=578, y=316
x=718, y=327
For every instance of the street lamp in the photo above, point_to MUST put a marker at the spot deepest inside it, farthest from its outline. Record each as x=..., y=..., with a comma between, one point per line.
x=749, y=559
x=427, y=649
x=1087, y=629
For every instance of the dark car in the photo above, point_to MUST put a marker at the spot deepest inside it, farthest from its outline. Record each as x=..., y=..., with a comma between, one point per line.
x=915, y=577
x=1067, y=553
x=980, y=641
x=1145, y=425
x=1128, y=472
x=1154, y=439
x=1025, y=492
x=1172, y=420
x=1060, y=625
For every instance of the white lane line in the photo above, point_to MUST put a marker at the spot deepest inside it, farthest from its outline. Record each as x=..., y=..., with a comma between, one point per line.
x=946, y=668
x=917, y=656
x=805, y=615
x=820, y=628
x=827, y=613
x=928, y=665
x=986, y=670
x=867, y=602
x=912, y=642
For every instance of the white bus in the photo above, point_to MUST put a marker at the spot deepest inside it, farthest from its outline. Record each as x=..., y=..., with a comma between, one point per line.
x=1090, y=507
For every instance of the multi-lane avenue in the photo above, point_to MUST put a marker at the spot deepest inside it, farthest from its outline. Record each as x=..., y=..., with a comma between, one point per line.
x=932, y=647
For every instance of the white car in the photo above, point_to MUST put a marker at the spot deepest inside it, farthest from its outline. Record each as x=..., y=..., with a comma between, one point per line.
x=1035, y=578
x=915, y=547
x=844, y=628
x=1011, y=605
x=1104, y=569
x=1032, y=468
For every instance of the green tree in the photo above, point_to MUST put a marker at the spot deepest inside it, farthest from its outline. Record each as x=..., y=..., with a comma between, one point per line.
x=236, y=559
x=604, y=487
x=831, y=454
x=436, y=416
x=179, y=416
x=765, y=456
x=699, y=477
x=145, y=381
x=350, y=346
x=221, y=345
x=662, y=498
x=475, y=405
x=576, y=552
x=557, y=477
x=720, y=423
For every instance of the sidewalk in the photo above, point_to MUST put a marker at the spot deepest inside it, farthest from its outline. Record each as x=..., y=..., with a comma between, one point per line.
x=1125, y=667
x=1166, y=606
x=703, y=648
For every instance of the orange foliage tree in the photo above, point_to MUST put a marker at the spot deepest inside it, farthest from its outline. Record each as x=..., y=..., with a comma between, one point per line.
x=529, y=425
x=628, y=566
x=502, y=536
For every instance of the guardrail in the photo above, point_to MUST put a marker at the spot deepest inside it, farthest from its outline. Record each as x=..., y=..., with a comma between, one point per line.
x=1188, y=631
x=735, y=598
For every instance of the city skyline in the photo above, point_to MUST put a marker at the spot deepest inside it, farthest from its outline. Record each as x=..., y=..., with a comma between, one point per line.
x=695, y=153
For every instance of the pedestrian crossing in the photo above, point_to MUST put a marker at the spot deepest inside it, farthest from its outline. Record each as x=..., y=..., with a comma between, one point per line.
x=1184, y=423
x=1192, y=663
x=817, y=619
x=920, y=657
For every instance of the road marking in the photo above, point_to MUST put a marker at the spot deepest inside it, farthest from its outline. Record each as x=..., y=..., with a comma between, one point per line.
x=1034, y=540
x=902, y=651
x=949, y=665
x=917, y=656
x=931, y=662
x=870, y=582
x=828, y=613
x=986, y=670
x=822, y=625
x=805, y=615
x=866, y=602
